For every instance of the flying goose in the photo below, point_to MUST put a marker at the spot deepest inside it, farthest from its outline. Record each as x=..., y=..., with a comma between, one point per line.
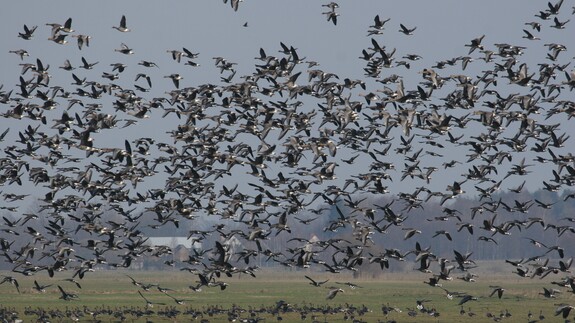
x=28, y=32
x=333, y=292
x=406, y=31
x=316, y=283
x=122, y=27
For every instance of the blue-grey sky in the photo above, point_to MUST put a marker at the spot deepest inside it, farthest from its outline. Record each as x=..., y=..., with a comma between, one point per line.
x=212, y=28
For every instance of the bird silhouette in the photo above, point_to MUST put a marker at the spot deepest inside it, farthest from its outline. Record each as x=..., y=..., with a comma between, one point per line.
x=333, y=293
x=287, y=160
x=316, y=283
x=122, y=27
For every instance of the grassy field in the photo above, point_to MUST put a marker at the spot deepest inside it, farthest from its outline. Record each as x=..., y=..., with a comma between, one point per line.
x=114, y=291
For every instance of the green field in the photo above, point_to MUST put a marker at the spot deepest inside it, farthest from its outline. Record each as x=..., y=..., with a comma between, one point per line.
x=114, y=292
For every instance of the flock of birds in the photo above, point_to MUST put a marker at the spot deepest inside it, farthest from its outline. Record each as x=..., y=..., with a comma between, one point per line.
x=253, y=314
x=293, y=128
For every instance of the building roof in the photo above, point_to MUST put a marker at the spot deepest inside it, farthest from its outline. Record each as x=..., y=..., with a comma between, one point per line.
x=173, y=242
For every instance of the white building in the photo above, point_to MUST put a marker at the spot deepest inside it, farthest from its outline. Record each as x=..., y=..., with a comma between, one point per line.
x=173, y=242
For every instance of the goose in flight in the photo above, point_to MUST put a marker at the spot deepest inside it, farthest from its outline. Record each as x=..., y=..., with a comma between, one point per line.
x=564, y=310
x=177, y=300
x=316, y=283
x=66, y=295
x=234, y=3
x=82, y=40
x=134, y=282
x=28, y=32
x=124, y=49
x=20, y=52
x=56, y=27
x=331, y=14
x=175, y=79
x=122, y=27
x=59, y=39
x=497, y=289
x=11, y=280
x=475, y=44
x=40, y=288
x=529, y=35
x=350, y=285
x=333, y=292
x=149, y=304
x=549, y=293
x=405, y=30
